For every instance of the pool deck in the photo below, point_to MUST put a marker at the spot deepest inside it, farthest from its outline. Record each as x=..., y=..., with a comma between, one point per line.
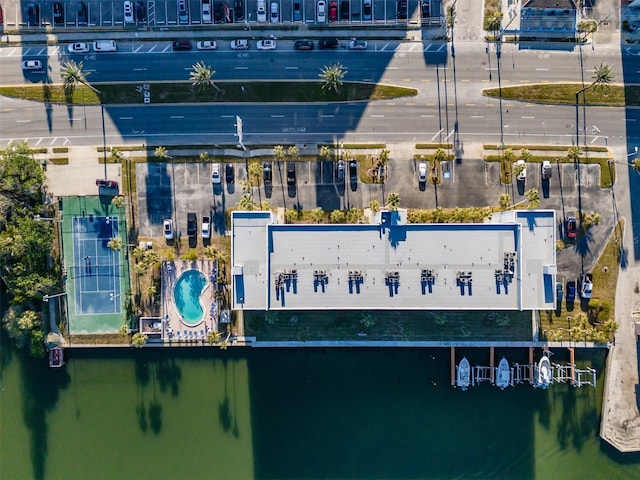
x=175, y=329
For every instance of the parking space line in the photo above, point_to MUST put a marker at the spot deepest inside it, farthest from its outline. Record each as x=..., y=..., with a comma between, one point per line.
x=436, y=135
x=153, y=47
x=384, y=47
x=168, y=47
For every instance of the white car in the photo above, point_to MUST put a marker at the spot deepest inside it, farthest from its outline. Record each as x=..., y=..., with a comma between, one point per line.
x=207, y=45
x=32, y=65
x=321, y=12
x=522, y=176
x=206, y=227
x=275, y=14
x=357, y=45
x=241, y=44
x=206, y=11
x=167, y=227
x=216, y=177
x=128, y=12
x=422, y=172
x=78, y=47
x=266, y=44
x=261, y=12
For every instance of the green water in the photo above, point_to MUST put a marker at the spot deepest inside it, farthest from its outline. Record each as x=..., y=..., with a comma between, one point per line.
x=356, y=414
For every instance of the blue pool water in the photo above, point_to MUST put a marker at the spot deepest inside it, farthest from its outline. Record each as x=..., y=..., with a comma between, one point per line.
x=186, y=294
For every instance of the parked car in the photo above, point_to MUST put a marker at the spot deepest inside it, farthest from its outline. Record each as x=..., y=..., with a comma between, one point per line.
x=182, y=45
x=275, y=12
x=340, y=168
x=303, y=45
x=32, y=65
x=545, y=170
x=33, y=15
x=333, y=11
x=328, y=43
x=353, y=170
x=291, y=173
x=344, y=10
x=366, y=9
x=58, y=13
x=559, y=292
x=424, y=9
x=167, y=228
x=192, y=225
x=183, y=11
x=216, y=177
x=218, y=12
x=240, y=44
x=206, y=11
x=357, y=45
x=266, y=44
x=101, y=182
x=79, y=47
x=321, y=12
x=297, y=11
x=141, y=11
x=81, y=13
x=238, y=10
x=586, y=286
x=521, y=171
x=403, y=9
x=571, y=291
x=422, y=172
x=229, y=173
x=206, y=227
x=128, y=12
x=207, y=45
x=261, y=11
x=266, y=173
x=572, y=228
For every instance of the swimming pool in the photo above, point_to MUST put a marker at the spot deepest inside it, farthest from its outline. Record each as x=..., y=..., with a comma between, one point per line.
x=186, y=295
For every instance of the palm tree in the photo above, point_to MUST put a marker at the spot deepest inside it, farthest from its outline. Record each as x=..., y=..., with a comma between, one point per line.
x=636, y=165
x=325, y=152
x=602, y=77
x=118, y=201
x=573, y=154
x=115, y=244
x=332, y=76
x=72, y=75
x=504, y=200
x=139, y=340
x=161, y=153
x=393, y=201
x=202, y=76
x=294, y=152
x=246, y=202
x=278, y=151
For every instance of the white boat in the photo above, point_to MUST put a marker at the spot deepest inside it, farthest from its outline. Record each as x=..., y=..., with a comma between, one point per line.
x=463, y=379
x=544, y=372
x=503, y=374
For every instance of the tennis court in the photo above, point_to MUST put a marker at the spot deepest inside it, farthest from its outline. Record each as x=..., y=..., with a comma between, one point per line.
x=96, y=268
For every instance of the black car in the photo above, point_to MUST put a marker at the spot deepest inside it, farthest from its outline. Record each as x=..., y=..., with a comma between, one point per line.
x=33, y=14
x=182, y=45
x=229, y=172
x=101, y=182
x=266, y=173
x=328, y=43
x=303, y=45
x=340, y=168
x=353, y=170
x=141, y=11
x=81, y=12
x=192, y=225
x=291, y=174
x=297, y=11
x=238, y=10
x=218, y=12
x=58, y=13
x=402, y=9
x=424, y=9
x=344, y=10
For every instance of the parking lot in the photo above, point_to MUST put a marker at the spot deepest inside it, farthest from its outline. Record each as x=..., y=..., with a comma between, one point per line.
x=105, y=13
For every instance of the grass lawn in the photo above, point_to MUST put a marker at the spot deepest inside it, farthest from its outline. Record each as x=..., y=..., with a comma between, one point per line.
x=565, y=94
x=388, y=325
x=232, y=92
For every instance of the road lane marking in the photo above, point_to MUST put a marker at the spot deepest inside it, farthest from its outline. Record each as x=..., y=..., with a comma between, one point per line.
x=384, y=47
x=327, y=116
x=427, y=116
x=528, y=118
x=176, y=117
x=290, y=68
x=412, y=47
x=126, y=118
x=392, y=68
x=53, y=140
x=376, y=116
x=237, y=68
x=227, y=116
x=166, y=48
x=152, y=49
x=450, y=133
x=137, y=49
x=277, y=116
x=139, y=69
x=542, y=69
x=436, y=135
x=41, y=51
x=23, y=121
x=477, y=116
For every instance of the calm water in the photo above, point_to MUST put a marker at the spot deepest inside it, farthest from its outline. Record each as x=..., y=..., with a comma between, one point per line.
x=187, y=292
x=356, y=414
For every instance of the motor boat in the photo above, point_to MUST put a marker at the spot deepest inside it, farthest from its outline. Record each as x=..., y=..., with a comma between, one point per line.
x=503, y=374
x=463, y=379
x=544, y=372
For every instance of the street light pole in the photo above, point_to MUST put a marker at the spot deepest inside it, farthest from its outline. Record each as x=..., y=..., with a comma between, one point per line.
x=635, y=152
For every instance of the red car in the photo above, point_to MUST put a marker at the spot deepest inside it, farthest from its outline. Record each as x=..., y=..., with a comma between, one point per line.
x=572, y=228
x=333, y=11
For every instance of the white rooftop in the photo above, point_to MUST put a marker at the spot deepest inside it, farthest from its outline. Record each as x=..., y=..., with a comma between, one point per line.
x=507, y=264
